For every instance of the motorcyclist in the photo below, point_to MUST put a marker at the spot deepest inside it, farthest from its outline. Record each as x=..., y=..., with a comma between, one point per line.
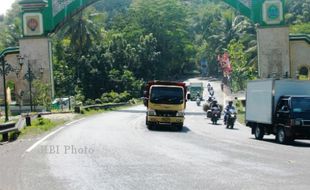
x=214, y=104
x=198, y=99
x=211, y=91
x=227, y=108
x=209, y=86
x=215, y=111
x=198, y=96
x=210, y=99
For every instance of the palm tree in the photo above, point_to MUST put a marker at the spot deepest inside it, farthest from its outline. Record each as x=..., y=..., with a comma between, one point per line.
x=82, y=31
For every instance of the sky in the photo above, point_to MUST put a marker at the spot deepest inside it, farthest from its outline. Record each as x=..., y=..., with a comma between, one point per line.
x=5, y=5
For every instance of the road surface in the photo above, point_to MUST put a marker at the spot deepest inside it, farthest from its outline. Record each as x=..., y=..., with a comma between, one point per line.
x=116, y=151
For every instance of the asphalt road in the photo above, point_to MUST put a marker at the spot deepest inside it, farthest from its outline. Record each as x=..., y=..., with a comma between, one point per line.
x=116, y=151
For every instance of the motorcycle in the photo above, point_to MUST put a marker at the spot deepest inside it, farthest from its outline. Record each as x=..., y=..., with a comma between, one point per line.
x=198, y=101
x=211, y=99
x=209, y=87
x=231, y=117
x=211, y=92
x=216, y=114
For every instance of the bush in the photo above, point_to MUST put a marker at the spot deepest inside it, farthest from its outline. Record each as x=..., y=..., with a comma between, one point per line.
x=105, y=99
x=116, y=100
x=98, y=101
x=124, y=96
x=115, y=97
x=89, y=102
x=82, y=111
x=132, y=101
x=239, y=106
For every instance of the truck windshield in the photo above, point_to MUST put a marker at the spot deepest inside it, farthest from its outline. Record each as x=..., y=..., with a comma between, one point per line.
x=301, y=104
x=197, y=88
x=166, y=95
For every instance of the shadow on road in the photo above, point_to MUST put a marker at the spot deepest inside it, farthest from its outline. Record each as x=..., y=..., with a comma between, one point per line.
x=232, y=128
x=301, y=144
x=129, y=111
x=144, y=111
x=296, y=143
x=195, y=113
x=170, y=129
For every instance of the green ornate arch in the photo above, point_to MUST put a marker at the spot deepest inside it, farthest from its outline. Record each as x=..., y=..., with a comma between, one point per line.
x=42, y=17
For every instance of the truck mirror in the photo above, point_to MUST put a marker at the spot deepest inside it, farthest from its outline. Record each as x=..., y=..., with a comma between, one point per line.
x=188, y=96
x=145, y=101
x=145, y=93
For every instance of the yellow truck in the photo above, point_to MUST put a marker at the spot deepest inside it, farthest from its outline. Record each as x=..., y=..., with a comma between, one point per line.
x=165, y=102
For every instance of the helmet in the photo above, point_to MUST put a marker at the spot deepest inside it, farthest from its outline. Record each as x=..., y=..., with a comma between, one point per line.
x=230, y=102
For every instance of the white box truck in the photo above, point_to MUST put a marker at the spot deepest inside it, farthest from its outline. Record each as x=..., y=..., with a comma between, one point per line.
x=279, y=107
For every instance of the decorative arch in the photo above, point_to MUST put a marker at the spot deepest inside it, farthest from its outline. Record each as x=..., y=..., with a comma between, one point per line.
x=42, y=17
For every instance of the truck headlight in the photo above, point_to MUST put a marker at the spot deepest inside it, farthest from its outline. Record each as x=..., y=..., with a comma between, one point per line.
x=151, y=113
x=180, y=114
x=297, y=122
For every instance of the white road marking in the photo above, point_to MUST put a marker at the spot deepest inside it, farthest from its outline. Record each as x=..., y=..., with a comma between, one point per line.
x=75, y=121
x=43, y=139
x=47, y=136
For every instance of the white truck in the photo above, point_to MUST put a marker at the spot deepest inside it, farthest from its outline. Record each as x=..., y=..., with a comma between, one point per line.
x=279, y=107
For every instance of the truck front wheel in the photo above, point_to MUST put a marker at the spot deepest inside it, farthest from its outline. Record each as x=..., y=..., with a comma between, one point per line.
x=259, y=132
x=179, y=127
x=281, y=136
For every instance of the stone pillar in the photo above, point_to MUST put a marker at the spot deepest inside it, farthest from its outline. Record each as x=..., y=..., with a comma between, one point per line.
x=273, y=52
x=37, y=52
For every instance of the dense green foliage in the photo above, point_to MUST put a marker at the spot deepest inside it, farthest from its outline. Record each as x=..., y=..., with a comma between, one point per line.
x=109, y=49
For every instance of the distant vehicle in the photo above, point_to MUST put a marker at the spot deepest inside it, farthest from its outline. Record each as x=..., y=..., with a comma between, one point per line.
x=216, y=114
x=213, y=111
x=198, y=101
x=279, y=107
x=231, y=117
x=196, y=90
x=165, y=102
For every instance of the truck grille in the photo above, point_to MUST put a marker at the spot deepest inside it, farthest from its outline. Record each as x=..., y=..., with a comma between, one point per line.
x=166, y=113
x=306, y=122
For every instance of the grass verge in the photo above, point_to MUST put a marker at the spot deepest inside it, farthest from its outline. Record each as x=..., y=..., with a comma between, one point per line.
x=241, y=112
x=241, y=117
x=39, y=126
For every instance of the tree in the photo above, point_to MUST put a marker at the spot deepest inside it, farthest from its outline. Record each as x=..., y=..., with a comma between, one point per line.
x=42, y=95
x=167, y=21
x=242, y=70
x=297, y=11
x=83, y=31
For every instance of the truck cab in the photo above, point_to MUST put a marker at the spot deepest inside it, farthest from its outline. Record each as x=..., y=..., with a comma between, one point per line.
x=165, y=103
x=196, y=90
x=293, y=113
